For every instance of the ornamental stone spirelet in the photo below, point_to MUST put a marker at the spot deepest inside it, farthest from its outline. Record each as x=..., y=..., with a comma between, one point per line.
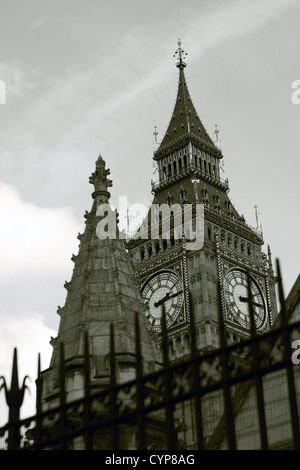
x=101, y=182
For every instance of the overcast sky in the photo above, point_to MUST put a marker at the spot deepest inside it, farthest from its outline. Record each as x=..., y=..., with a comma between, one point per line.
x=90, y=77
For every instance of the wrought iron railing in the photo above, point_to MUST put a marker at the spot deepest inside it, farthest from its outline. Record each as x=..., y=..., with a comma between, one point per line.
x=194, y=404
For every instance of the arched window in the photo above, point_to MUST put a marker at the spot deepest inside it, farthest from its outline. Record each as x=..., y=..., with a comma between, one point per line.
x=209, y=232
x=182, y=195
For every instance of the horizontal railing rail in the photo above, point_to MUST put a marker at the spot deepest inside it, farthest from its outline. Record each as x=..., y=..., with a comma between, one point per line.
x=158, y=400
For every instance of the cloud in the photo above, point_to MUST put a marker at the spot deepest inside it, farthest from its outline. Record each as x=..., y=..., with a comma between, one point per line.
x=31, y=336
x=35, y=248
x=201, y=33
x=39, y=21
x=230, y=21
x=81, y=98
x=17, y=78
x=33, y=240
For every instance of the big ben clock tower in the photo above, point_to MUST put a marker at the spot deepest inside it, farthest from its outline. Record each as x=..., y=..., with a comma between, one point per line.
x=168, y=270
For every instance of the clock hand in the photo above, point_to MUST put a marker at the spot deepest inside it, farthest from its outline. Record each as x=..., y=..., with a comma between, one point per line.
x=246, y=299
x=161, y=301
x=166, y=297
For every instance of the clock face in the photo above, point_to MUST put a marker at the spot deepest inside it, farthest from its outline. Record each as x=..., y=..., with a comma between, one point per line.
x=237, y=299
x=163, y=288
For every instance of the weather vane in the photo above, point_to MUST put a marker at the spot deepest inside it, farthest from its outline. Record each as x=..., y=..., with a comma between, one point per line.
x=181, y=54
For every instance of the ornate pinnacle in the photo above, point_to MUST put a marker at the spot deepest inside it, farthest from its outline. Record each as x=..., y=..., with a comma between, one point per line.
x=99, y=179
x=181, y=54
x=14, y=399
x=14, y=395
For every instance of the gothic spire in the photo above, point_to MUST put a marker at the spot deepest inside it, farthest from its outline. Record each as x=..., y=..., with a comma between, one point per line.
x=185, y=123
x=102, y=291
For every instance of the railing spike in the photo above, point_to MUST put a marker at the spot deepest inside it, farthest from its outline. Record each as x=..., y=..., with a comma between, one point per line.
x=86, y=364
x=164, y=337
x=196, y=378
x=14, y=376
x=141, y=422
x=88, y=436
x=113, y=393
x=286, y=337
x=251, y=306
x=39, y=397
x=14, y=399
x=112, y=356
x=284, y=319
x=39, y=365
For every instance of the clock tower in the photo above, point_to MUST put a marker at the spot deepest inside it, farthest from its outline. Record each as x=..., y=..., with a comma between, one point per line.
x=182, y=274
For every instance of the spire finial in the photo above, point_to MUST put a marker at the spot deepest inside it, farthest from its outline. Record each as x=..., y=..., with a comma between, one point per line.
x=181, y=54
x=99, y=179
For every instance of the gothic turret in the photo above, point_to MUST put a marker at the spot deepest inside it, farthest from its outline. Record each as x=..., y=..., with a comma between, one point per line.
x=186, y=149
x=102, y=291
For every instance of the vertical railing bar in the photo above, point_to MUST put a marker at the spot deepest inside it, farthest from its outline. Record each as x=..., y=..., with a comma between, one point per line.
x=141, y=421
x=62, y=400
x=256, y=368
x=168, y=379
x=113, y=393
x=229, y=415
x=39, y=391
x=14, y=400
x=289, y=366
x=88, y=444
x=196, y=379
